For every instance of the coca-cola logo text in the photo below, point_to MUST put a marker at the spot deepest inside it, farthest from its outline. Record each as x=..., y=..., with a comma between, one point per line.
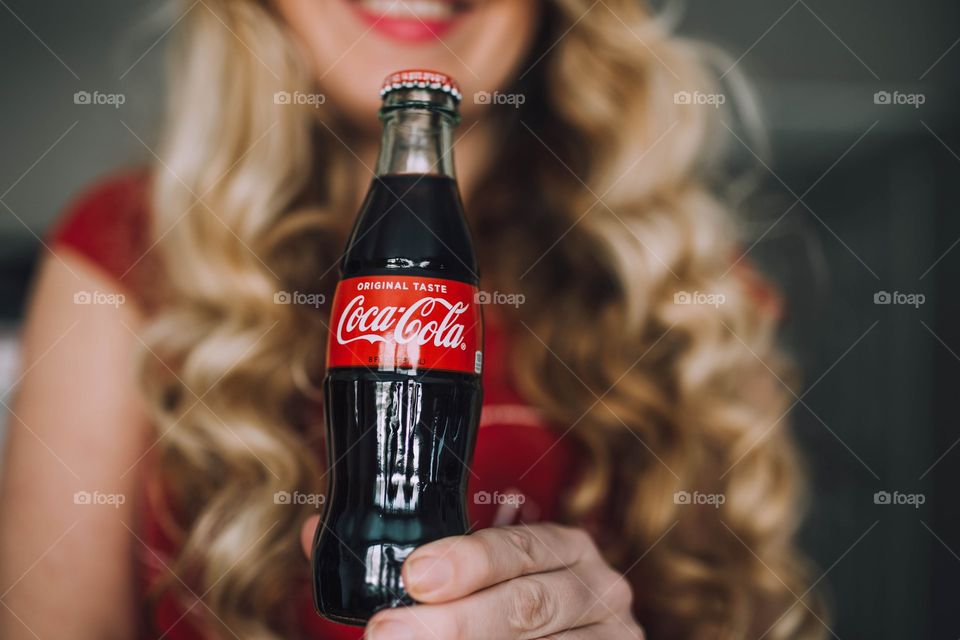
x=405, y=323
x=421, y=323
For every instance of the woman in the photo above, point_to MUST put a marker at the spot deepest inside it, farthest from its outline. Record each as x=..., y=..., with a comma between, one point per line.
x=609, y=402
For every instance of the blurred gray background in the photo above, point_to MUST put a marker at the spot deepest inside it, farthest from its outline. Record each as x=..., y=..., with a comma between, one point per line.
x=856, y=198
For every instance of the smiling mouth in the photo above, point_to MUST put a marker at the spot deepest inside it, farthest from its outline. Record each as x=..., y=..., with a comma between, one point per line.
x=411, y=20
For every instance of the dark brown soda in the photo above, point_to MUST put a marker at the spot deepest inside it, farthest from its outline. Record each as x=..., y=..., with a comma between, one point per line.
x=399, y=441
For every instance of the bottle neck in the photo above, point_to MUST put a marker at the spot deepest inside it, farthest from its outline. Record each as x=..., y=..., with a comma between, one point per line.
x=416, y=140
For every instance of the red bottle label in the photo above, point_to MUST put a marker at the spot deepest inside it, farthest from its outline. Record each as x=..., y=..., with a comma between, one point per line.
x=405, y=322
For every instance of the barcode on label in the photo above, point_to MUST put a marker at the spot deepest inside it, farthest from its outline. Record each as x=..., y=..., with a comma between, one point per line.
x=478, y=362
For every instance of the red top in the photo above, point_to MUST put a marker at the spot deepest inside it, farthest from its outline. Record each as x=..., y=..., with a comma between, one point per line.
x=516, y=451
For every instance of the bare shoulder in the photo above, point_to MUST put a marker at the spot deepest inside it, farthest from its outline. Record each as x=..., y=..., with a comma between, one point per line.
x=76, y=430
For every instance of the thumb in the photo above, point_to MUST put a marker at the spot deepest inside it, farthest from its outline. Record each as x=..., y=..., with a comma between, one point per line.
x=306, y=534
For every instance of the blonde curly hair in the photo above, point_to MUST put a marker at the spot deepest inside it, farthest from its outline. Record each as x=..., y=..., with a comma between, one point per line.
x=661, y=397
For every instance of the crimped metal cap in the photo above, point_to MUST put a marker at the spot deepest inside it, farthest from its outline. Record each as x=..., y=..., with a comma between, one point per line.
x=421, y=79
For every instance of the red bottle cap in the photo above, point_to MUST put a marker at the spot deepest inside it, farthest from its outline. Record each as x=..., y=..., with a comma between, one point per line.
x=421, y=79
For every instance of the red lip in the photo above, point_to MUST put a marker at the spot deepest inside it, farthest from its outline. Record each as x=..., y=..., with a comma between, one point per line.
x=411, y=30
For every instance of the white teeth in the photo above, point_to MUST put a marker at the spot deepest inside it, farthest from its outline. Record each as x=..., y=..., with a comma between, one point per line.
x=421, y=9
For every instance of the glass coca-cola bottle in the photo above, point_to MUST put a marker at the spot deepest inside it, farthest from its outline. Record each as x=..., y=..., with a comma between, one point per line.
x=402, y=390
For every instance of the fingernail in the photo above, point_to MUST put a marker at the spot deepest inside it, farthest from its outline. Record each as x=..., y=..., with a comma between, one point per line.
x=429, y=574
x=390, y=630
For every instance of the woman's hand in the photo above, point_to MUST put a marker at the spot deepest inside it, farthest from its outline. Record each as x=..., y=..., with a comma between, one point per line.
x=537, y=581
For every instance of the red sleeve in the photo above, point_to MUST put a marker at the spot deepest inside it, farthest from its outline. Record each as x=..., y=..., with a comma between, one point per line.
x=108, y=225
